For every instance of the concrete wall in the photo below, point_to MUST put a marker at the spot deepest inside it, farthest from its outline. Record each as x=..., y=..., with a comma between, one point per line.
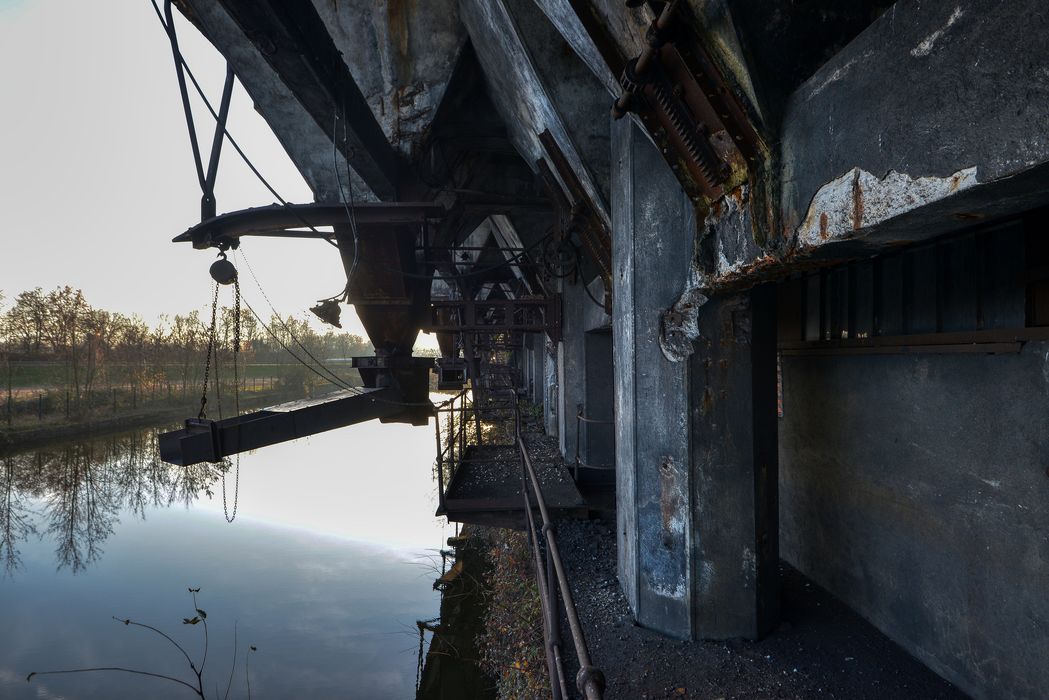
x=914, y=488
x=579, y=315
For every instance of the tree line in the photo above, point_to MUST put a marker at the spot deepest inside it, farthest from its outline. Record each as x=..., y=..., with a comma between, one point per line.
x=56, y=340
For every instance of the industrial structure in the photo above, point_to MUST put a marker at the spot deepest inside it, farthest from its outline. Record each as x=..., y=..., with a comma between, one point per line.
x=777, y=270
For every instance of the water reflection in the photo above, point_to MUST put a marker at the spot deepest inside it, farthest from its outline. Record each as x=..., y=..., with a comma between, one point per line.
x=73, y=494
x=322, y=568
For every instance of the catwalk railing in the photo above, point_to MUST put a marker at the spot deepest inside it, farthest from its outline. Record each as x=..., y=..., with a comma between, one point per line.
x=553, y=583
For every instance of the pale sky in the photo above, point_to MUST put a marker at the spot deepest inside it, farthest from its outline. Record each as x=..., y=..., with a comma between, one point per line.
x=97, y=175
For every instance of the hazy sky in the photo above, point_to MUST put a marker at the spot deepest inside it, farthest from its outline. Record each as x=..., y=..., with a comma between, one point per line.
x=97, y=176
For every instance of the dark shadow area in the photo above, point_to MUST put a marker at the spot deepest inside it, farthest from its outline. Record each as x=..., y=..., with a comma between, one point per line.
x=821, y=648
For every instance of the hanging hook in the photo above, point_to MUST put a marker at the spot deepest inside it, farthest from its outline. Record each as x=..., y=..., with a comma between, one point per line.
x=222, y=270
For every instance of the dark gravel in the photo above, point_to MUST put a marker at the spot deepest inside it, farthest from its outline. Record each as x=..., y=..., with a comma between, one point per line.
x=494, y=471
x=822, y=649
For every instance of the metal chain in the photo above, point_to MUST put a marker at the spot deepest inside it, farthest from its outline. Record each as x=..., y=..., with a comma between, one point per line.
x=236, y=403
x=202, y=414
x=236, y=490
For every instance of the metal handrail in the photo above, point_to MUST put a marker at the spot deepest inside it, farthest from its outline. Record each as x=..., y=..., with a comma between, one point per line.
x=579, y=463
x=590, y=680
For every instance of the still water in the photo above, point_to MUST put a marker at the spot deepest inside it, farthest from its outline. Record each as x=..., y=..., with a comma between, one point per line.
x=325, y=569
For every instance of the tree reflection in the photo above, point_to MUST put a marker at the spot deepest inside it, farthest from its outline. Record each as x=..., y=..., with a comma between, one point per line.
x=76, y=493
x=16, y=518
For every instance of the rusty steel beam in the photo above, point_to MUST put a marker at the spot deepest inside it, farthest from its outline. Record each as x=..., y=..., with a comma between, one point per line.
x=203, y=440
x=506, y=315
x=281, y=220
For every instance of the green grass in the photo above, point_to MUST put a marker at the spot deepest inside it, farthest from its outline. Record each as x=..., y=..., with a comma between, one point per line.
x=57, y=374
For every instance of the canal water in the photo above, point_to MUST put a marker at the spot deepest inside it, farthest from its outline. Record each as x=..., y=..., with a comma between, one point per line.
x=324, y=571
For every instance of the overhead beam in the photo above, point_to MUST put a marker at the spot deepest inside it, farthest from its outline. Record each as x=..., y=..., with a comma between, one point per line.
x=295, y=42
x=281, y=220
x=210, y=441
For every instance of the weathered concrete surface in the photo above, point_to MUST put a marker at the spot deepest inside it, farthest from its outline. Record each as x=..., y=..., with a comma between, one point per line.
x=550, y=388
x=652, y=241
x=575, y=92
x=929, y=90
x=518, y=92
x=579, y=315
x=565, y=19
x=598, y=447
x=914, y=489
x=858, y=200
x=306, y=143
x=401, y=54
x=734, y=467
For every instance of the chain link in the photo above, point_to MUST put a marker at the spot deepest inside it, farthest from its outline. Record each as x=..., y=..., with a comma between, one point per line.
x=236, y=403
x=202, y=414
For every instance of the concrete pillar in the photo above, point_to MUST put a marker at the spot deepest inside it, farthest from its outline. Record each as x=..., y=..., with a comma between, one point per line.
x=651, y=251
x=735, y=544
x=550, y=392
x=696, y=437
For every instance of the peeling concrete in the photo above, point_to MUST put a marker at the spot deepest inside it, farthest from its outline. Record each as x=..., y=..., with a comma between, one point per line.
x=858, y=199
x=730, y=223
x=679, y=325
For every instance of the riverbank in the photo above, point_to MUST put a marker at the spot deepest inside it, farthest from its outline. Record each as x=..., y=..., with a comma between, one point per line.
x=28, y=435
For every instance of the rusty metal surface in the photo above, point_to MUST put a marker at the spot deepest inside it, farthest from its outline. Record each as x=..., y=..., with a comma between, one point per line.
x=283, y=221
x=495, y=316
x=211, y=441
x=687, y=107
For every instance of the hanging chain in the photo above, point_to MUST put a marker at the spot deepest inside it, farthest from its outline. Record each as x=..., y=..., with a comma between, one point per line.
x=202, y=414
x=236, y=490
x=236, y=403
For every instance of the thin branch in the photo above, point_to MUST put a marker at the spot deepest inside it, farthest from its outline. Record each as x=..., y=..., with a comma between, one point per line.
x=178, y=646
x=204, y=619
x=114, y=668
x=234, y=668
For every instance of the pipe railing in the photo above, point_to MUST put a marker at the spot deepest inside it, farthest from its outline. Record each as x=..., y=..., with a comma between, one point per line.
x=459, y=424
x=552, y=580
x=579, y=463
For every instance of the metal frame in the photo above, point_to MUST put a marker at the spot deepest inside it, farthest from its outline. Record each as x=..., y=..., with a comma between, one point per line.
x=283, y=220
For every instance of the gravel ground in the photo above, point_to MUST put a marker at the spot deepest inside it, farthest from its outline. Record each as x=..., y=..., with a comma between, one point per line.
x=822, y=649
x=494, y=471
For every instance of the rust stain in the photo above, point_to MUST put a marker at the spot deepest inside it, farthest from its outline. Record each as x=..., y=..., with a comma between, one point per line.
x=397, y=15
x=708, y=401
x=824, y=233
x=857, y=205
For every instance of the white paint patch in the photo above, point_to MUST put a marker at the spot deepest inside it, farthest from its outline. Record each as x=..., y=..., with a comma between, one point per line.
x=664, y=591
x=993, y=483
x=1045, y=371
x=926, y=45
x=858, y=199
x=838, y=73
x=706, y=577
x=750, y=565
